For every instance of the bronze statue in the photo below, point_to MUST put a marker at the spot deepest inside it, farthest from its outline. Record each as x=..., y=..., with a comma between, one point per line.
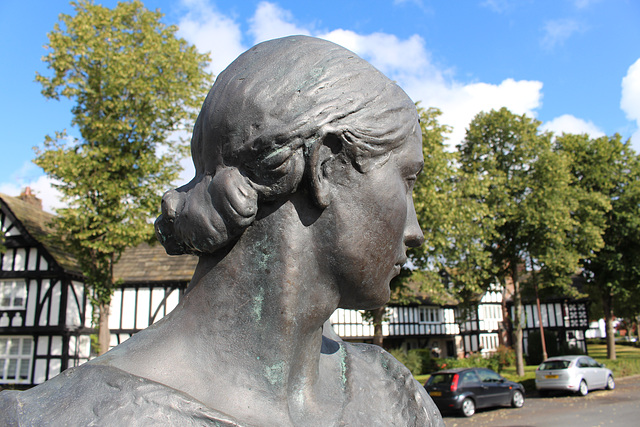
x=305, y=160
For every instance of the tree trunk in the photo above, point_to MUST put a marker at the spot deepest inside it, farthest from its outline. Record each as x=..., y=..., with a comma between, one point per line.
x=542, y=338
x=607, y=304
x=104, y=335
x=504, y=327
x=378, y=315
x=517, y=321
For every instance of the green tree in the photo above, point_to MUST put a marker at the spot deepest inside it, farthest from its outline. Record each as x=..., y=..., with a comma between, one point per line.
x=527, y=207
x=449, y=219
x=433, y=203
x=608, y=170
x=135, y=85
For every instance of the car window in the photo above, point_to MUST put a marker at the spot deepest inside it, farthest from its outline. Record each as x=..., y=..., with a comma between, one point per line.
x=443, y=379
x=583, y=363
x=488, y=376
x=593, y=363
x=554, y=364
x=469, y=378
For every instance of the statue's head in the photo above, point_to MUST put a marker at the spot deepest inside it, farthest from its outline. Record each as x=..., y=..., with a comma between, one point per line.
x=260, y=127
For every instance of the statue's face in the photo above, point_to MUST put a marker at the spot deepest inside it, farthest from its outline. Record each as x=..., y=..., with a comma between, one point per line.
x=375, y=223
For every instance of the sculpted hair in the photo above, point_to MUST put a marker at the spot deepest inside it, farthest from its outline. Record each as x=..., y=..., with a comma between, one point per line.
x=261, y=120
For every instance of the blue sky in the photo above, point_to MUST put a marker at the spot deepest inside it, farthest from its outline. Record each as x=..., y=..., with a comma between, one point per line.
x=572, y=64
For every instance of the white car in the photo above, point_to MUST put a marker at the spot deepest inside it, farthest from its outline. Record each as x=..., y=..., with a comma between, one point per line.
x=577, y=374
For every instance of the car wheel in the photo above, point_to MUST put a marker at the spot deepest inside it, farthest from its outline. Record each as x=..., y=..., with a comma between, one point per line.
x=517, y=400
x=468, y=407
x=583, y=390
x=610, y=383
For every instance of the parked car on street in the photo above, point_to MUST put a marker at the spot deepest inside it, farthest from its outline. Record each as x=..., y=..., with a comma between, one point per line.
x=468, y=389
x=577, y=374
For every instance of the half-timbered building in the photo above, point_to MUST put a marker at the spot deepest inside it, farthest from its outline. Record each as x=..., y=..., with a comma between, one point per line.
x=426, y=325
x=567, y=318
x=45, y=315
x=481, y=324
x=152, y=284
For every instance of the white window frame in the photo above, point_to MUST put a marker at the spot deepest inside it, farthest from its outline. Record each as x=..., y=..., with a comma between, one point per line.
x=430, y=315
x=22, y=358
x=13, y=288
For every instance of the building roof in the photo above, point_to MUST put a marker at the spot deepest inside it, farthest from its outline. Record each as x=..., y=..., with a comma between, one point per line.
x=38, y=225
x=142, y=264
x=150, y=263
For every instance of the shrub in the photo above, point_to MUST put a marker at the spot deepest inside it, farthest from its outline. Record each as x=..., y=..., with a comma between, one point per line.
x=411, y=360
x=475, y=360
x=505, y=356
x=429, y=364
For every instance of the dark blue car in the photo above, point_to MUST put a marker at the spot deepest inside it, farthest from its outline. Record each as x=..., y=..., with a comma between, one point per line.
x=468, y=389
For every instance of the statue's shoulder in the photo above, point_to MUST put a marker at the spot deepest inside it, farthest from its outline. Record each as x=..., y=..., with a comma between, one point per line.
x=384, y=390
x=103, y=395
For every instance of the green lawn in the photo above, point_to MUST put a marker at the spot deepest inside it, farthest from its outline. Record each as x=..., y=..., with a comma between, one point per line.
x=627, y=363
x=627, y=359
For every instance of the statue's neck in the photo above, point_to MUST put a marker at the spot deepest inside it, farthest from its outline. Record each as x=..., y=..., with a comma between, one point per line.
x=258, y=314
x=246, y=339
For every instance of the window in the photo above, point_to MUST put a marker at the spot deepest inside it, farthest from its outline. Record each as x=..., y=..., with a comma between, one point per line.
x=444, y=379
x=469, y=378
x=15, y=359
x=13, y=294
x=488, y=376
x=430, y=315
x=554, y=364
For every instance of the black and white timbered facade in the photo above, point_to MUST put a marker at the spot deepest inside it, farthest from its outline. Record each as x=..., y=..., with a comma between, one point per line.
x=569, y=319
x=45, y=315
x=153, y=283
x=449, y=331
x=418, y=326
x=481, y=325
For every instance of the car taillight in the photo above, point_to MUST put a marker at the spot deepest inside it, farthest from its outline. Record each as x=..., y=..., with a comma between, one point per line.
x=454, y=383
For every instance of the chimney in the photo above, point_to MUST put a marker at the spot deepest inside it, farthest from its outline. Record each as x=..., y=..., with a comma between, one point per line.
x=30, y=198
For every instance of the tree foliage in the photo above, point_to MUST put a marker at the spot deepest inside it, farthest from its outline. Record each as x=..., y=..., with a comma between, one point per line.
x=452, y=262
x=134, y=85
x=528, y=206
x=609, y=171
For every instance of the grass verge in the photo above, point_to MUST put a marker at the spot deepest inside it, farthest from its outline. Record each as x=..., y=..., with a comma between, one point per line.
x=627, y=361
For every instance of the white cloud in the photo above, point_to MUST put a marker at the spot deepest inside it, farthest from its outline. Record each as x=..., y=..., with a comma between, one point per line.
x=388, y=53
x=270, y=22
x=571, y=124
x=460, y=102
x=212, y=32
x=409, y=63
x=41, y=188
x=556, y=32
x=630, y=100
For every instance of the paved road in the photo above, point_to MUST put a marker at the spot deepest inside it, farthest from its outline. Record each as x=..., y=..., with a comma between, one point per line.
x=620, y=407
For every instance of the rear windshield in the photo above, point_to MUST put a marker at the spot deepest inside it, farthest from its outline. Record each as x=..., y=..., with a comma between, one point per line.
x=554, y=364
x=444, y=379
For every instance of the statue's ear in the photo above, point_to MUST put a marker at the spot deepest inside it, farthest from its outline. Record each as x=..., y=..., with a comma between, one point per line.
x=323, y=159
